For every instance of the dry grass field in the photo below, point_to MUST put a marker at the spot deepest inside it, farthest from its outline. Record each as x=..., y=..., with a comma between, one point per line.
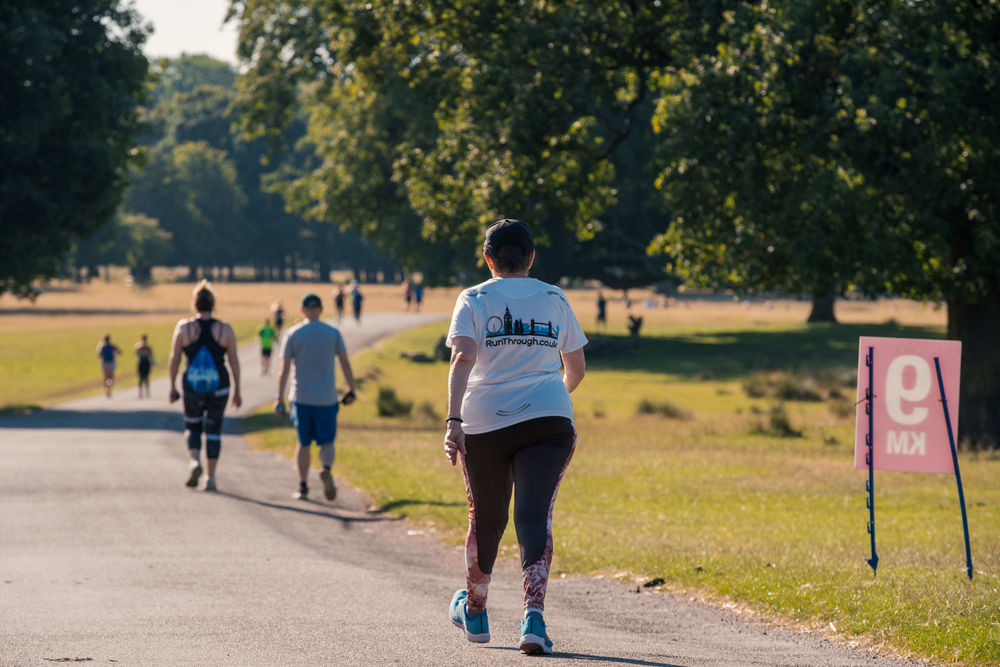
x=67, y=305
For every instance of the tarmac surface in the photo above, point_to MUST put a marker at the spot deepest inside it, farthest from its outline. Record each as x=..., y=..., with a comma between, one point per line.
x=106, y=558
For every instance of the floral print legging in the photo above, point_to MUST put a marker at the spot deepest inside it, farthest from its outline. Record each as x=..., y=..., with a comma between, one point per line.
x=529, y=458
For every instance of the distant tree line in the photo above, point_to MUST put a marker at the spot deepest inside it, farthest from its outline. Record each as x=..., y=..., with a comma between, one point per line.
x=200, y=194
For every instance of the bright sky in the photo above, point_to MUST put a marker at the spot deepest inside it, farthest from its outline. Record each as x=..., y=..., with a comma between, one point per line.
x=188, y=26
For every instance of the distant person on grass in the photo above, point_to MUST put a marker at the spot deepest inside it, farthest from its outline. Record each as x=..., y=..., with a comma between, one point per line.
x=311, y=347
x=356, y=298
x=338, y=302
x=266, y=335
x=418, y=294
x=510, y=422
x=206, y=342
x=107, y=353
x=144, y=353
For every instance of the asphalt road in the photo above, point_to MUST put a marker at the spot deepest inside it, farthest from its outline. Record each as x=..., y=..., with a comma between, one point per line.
x=106, y=558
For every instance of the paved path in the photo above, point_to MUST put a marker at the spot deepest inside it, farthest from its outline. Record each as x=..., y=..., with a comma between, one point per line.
x=106, y=558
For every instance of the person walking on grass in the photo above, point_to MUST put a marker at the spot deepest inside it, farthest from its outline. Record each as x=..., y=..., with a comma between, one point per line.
x=311, y=347
x=510, y=422
x=107, y=352
x=338, y=302
x=266, y=335
x=207, y=343
x=356, y=298
x=144, y=353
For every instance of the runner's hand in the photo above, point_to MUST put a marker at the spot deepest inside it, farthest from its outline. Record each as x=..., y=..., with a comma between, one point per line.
x=174, y=395
x=279, y=408
x=349, y=397
x=454, y=441
x=237, y=399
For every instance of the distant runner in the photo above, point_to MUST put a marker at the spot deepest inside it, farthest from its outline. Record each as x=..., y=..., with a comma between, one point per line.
x=510, y=422
x=311, y=347
x=266, y=336
x=107, y=351
x=338, y=302
x=144, y=353
x=279, y=316
x=206, y=342
x=356, y=298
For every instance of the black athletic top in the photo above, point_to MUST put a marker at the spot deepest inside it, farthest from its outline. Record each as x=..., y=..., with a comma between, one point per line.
x=206, y=371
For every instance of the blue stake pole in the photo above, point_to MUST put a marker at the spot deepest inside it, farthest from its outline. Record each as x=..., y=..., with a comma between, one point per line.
x=958, y=475
x=869, y=455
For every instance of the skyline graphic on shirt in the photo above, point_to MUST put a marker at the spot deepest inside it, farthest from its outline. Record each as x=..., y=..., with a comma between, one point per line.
x=508, y=326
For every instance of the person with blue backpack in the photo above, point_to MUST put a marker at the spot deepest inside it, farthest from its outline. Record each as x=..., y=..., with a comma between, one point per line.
x=207, y=343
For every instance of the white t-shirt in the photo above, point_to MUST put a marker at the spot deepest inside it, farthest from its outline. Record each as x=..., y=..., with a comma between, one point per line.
x=520, y=326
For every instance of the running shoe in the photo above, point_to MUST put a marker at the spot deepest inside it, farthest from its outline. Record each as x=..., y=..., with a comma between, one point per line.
x=194, y=476
x=533, y=637
x=477, y=628
x=210, y=485
x=302, y=493
x=328, y=487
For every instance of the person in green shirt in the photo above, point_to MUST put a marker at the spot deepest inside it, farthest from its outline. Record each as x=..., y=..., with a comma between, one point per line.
x=266, y=336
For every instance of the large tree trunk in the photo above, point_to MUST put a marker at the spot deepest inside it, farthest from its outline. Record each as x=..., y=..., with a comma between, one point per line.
x=822, y=309
x=977, y=325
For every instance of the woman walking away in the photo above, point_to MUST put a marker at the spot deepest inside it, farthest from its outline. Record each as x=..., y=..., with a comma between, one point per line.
x=144, y=353
x=510, y=422
x=206, y=342
x=107, y=352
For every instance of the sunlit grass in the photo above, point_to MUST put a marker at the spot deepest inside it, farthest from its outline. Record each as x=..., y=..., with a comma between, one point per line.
x=776, y=524
x=57, y=364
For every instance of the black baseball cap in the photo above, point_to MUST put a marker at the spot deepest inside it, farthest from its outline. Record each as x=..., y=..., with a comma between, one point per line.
x=508, y=232
x=311, y=301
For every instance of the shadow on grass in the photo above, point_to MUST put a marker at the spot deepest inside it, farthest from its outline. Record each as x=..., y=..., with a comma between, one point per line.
x=732, y=354
x=409, y=502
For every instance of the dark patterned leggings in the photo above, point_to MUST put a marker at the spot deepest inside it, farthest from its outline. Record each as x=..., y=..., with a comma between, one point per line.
x=530, y=458
x=203, y=412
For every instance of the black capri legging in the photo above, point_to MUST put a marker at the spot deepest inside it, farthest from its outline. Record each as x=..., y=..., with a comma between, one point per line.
x=203, y=412
x=531, y=457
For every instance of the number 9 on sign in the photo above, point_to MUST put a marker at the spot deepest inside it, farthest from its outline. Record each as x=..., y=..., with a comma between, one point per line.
x=898, y=392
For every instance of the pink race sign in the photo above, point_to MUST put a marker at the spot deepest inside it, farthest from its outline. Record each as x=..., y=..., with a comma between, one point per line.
x=909, y=430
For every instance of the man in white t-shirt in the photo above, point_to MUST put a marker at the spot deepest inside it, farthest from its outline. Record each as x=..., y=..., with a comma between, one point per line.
x=510, y=421
x=311, y=346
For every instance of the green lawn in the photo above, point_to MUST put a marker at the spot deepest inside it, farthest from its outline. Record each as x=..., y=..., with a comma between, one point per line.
x=714, y=502
x=42, y=367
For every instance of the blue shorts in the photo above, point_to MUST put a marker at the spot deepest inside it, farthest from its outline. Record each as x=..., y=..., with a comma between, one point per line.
x=315, y=423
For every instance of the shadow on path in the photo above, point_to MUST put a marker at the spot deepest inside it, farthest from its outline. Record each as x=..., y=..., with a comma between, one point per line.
x=343, y=517
x=589, y=657
x=99, y=420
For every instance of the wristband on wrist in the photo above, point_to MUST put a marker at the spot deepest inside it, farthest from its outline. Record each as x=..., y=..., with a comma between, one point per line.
x=454, y=419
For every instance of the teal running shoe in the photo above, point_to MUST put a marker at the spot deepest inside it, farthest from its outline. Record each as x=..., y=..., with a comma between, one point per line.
x=477, y=628
x=533, y=637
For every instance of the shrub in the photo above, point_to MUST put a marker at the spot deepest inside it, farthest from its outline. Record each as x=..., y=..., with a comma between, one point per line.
x=778, y=424
x=663, y=409
x=389, y=405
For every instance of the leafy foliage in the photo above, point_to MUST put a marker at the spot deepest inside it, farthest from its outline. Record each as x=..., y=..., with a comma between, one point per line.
x=71, y=78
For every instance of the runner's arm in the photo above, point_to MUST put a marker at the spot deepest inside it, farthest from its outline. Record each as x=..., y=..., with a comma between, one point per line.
x=176, y=349
x=345, y=368
x=463, y=358
x=575, y=366
x=234, y=362
x=286, y=369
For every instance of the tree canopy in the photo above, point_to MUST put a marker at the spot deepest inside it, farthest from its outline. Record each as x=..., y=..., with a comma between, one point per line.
x=72, y=78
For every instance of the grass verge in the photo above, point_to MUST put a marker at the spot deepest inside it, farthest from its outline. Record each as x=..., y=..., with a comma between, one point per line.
x=713, y=504
x=53, y=365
